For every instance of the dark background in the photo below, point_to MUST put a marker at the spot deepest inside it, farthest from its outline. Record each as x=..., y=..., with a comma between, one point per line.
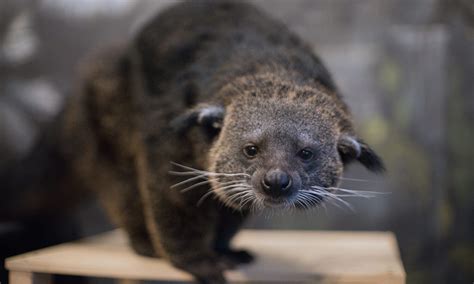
x=405, y=67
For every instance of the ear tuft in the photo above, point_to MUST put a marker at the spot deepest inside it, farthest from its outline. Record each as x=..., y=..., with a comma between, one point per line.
x=349, y=148
x=209, y=117
x=370, y=159
x=352, y=149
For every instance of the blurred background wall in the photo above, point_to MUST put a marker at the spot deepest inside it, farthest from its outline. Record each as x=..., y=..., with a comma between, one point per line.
x=406, y=69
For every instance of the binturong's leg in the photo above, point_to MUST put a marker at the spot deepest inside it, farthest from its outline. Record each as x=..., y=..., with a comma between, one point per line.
x=133, y=222
x=229, y=223
x=125, y=208
x=184, y=235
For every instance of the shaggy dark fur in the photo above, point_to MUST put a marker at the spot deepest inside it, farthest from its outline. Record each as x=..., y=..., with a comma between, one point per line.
x=217, y=86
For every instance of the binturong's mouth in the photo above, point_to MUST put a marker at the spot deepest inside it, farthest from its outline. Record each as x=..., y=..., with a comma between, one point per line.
x=301, y=199
x=279, y=202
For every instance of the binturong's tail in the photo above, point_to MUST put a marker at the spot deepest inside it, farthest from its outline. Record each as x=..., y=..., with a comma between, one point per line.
x=38, y=184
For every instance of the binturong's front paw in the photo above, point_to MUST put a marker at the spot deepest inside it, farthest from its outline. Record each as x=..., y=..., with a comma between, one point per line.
x=143, y=248
x=207, y=268
x=233, y=258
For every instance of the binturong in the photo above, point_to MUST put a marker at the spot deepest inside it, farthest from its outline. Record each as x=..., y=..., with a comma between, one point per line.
x=212, y=111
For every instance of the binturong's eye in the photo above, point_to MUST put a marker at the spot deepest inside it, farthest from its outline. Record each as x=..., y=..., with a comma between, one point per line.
x=250, y=151
x=305, y=155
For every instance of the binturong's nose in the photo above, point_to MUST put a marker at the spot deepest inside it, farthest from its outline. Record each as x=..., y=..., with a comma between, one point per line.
x=277, y=183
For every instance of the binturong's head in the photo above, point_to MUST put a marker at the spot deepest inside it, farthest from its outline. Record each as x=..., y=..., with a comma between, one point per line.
x=280, y=145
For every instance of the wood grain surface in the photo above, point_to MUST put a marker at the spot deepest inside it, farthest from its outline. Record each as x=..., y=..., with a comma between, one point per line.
x=282, y=257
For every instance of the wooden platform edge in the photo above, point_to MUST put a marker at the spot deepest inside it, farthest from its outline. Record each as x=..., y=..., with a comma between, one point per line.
x=397, y=274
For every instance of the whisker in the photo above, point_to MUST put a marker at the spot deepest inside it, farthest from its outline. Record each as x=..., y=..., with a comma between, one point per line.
x=233, y=197
x=227, y=175
x=236, y=189
x=195, y=171
x=232, y=182
x=229, y=188
x=176, y=173
x=358, y=192
x=358, y=179
x=257, y=204
x=347, y=195
x=188, y=180
x=194, y=186
x=325, y=208
x=297, y=201
x=333, y=200
x=208, y=174
x=201, y=200
x=332, y=196
x=248, y=199
x=304, y=197
x=183, y=166
x=313, y=199
x=351, y=192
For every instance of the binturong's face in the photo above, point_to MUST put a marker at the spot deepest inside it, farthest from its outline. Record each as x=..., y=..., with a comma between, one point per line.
x=284, y=150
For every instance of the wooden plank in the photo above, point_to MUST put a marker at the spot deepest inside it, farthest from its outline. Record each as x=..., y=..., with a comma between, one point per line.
x=282, y=256
x=22, y=277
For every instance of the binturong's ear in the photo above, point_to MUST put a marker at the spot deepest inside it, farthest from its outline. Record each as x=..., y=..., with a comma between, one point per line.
x=352, y=149
x=208, y=117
